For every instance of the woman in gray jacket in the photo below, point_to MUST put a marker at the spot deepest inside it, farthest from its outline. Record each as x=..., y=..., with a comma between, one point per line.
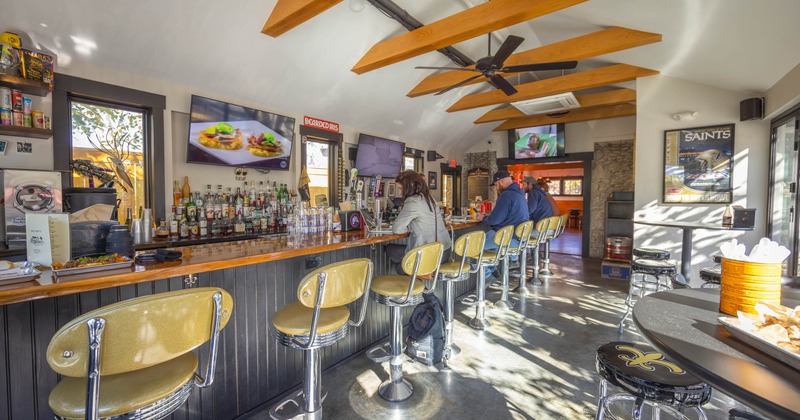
x=419, y=216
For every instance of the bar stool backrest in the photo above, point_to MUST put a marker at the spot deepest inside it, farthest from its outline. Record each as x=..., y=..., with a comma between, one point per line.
x=523, y=232
x=552, y=230
x=345, y=282
x=423, y=260
x=562, y=224
x=470, y=245
x=140, y=332
x=502, y=238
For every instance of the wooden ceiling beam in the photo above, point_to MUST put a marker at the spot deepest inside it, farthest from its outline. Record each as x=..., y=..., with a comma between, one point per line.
x=577, y=81
x=586, y=46
x=475, y=21
x=611, y=97
x=576, y=115
x=289, y=13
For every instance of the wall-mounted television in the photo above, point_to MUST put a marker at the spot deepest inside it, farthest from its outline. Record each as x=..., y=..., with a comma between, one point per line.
x=542, y=141
x=378, y=156
x=226, y=134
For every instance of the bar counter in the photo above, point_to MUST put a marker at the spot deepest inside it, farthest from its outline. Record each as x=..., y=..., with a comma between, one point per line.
x=261, y=275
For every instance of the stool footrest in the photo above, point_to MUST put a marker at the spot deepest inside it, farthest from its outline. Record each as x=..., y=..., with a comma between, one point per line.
x=382, y=352
x=291, y=407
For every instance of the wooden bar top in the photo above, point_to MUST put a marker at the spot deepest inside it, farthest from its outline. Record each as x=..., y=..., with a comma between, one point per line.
x=196, y=259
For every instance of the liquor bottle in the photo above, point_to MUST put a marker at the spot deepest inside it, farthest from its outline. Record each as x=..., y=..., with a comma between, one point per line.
x=239, y=202
x=216, y=227
x=177, y=195
x=265, y=227
x=209, y=203
x=238, y=227
x=173, y=224
x=727, y=217
x=183, y=228
x=224, y=206
x=256, y=221
x=252, y=191
x=199, y=200
x=162, y=231
x=246, y=203
x=261, y=192
x=128, y=217
x=274, y=194
x=203, y=223
x=248, y=225
x=187, y=190
x=231, y=205
x=191, y=208
x=194, y=228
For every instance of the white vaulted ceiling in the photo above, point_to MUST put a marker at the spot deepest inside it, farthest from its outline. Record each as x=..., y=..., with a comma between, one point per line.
x=217, y=46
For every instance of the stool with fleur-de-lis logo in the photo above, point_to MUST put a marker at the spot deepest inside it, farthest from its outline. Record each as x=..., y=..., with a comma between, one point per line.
x=648, y=379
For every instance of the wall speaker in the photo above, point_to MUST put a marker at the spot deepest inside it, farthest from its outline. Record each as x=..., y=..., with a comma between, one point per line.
x=751, y=109
x=351, y=153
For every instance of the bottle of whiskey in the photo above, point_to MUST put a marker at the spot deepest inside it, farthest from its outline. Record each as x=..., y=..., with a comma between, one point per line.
x=727, y=217
x=187, y=190
x=202, y=222
x=177, y=194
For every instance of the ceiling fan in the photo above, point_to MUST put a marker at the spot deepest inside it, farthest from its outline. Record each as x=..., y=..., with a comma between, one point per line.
x=492, y=65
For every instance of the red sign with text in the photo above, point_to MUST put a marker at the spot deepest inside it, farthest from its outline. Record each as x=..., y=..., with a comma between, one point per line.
x=321, y=124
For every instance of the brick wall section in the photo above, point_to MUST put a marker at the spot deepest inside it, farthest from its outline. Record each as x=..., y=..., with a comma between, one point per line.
x=487, y=160
x=612, y=170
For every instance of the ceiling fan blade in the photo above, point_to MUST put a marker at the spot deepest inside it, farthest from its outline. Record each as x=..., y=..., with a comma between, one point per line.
x=459, y=84
x=509, y=45
x=499, y=82
x=561, y=65
x=446, y=68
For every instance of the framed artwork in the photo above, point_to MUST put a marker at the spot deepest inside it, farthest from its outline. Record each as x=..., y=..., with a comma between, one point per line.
x=698, y=165
x=24, y=147
x=3, y=145
x=432, y=180
x=391, y=191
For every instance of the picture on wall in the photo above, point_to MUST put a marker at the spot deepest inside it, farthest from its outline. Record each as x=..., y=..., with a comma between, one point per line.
x=432, y=180
x=698, y=165
x=392, y=191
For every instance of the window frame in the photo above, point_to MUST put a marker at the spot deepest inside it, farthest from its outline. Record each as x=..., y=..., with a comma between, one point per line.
x=68, y=88
x=419, y=163
x=571, y=178
x=333, y=159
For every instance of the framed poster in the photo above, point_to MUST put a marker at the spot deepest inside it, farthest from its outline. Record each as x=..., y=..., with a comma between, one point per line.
x=391, y=188
x=698, y=165
x=432, y=180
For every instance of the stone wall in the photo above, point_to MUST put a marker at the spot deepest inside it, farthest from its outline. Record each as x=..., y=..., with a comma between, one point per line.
x=612, y=170
x=486, y=160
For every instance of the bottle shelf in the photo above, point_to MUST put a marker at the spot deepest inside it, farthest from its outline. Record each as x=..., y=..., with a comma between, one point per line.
x=15, y=130
x=31, y=87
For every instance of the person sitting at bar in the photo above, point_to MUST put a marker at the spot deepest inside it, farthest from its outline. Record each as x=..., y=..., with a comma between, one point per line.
x=542, y=183
x=538, y=205
x=510, y=209
x=419, y=216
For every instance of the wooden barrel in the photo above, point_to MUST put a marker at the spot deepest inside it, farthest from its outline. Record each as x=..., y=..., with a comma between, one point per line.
x=619, y=248
x=746, y=283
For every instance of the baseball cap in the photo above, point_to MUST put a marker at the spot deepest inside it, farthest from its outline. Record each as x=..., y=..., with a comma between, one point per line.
x=530, y=180
x=500, y=175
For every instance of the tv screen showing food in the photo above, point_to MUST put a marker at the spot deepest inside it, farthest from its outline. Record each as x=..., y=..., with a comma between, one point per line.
x=378, y=156
x=226, y=134
x=536, y=142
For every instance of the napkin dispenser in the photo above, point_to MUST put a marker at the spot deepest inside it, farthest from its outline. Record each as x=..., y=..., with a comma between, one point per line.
x=743, y=218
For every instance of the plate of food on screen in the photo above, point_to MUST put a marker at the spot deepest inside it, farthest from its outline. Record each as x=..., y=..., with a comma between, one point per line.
x=264, y=144
x=221, y=136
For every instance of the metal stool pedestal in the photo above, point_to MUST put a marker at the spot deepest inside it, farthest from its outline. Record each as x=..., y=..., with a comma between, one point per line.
x=504, y=302
x=479, y=322
x=396, y=389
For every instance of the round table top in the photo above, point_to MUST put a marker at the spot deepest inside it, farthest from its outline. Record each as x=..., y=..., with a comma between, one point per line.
x=683, y=325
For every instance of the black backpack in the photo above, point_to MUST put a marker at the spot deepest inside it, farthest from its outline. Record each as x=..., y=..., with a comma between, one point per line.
x=425, y=340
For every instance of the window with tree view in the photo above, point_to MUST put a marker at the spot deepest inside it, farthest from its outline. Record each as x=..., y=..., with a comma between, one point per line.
x=108, y=145
x=572, y=186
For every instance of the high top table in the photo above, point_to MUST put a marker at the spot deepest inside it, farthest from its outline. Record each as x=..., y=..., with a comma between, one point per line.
x=686, y=246
x=683, y=325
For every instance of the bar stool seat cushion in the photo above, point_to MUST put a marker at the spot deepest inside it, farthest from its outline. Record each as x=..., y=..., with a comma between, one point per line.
x=395, y=285
x=489, y=256
x=646, y=373
x=452, y=267
x=295, y=319
x=124, y=392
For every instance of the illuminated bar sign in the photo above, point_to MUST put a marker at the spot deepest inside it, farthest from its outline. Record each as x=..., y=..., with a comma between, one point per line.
x=321, y=124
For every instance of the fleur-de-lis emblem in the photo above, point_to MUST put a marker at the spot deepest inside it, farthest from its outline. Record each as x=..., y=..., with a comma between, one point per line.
x=646, y=361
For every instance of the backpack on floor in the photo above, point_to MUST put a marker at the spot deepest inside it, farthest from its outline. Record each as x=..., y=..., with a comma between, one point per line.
x=425, y=340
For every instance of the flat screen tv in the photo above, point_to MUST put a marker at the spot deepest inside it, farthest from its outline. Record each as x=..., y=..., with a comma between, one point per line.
x=377, y=156
x=226, y=134
x=536, y=142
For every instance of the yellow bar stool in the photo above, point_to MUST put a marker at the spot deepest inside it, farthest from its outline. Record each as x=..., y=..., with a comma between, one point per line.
x=502, y=238
x=319, y=319
x=537, y=238
x=470, y=248
x=523, y=233
x=140, y=351
x=398, y=291
x=557, y=226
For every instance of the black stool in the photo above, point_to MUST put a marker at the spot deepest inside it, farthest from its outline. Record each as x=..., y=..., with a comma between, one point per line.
x=711, y=276
x=647, y=378
x=651, y=254
x=648, y=276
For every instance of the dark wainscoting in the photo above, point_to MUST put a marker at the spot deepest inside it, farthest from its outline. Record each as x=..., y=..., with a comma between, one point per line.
x=252, y=367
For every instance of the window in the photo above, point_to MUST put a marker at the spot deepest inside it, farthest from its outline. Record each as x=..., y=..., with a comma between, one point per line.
x=572, y=186
x=108, y=144
x=554, y=185
x=318, y=160
x=413, y=163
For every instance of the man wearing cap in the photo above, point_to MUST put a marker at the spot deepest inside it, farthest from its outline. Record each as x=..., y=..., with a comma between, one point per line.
x=538, y=205
x=510, y=209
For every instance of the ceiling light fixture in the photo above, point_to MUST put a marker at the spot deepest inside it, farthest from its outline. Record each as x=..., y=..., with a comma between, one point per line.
x=357, y=5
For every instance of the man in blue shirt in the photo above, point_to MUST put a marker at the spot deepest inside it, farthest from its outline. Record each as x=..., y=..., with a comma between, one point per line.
x=538, y=205
x=510, y=209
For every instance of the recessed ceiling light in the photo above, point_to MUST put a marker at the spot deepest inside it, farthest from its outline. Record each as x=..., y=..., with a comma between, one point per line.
x=357, y=5
x=43, y=25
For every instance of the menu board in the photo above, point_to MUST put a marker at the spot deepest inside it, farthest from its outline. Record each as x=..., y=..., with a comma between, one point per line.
x=698, y=164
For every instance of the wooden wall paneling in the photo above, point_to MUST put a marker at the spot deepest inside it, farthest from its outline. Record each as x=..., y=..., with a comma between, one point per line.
x=20, y=355
x=224, y=383
x=254, y=336
x=475, y=21
x=44, y=327
x=89, y=301
x=5, y=395
x=274, y=350
x=264, y=337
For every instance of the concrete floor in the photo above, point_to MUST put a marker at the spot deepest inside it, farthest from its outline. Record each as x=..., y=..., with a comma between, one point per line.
x=535, y=362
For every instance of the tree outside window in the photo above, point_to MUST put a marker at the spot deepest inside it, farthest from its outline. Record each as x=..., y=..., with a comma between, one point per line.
x=573, y=186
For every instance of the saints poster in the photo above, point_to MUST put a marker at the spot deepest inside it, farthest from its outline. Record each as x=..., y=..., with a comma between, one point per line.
x=698, y=164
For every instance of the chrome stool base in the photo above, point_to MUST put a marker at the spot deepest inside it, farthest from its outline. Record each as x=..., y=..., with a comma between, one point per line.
x=479, y=324
x=504, y=304
x=396, y=391
x=291, y=407
x=522, y=290
x=605, y=409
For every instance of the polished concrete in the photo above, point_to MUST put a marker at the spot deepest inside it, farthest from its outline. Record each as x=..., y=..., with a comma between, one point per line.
x=568, y=243
x=535, y=362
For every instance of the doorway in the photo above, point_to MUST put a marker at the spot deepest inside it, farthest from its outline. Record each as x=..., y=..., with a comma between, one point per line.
x=783, y=201
x=320, y=153
x=451, y=187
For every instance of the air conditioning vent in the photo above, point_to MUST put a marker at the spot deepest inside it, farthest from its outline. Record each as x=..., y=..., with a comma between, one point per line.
x=547, y=104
